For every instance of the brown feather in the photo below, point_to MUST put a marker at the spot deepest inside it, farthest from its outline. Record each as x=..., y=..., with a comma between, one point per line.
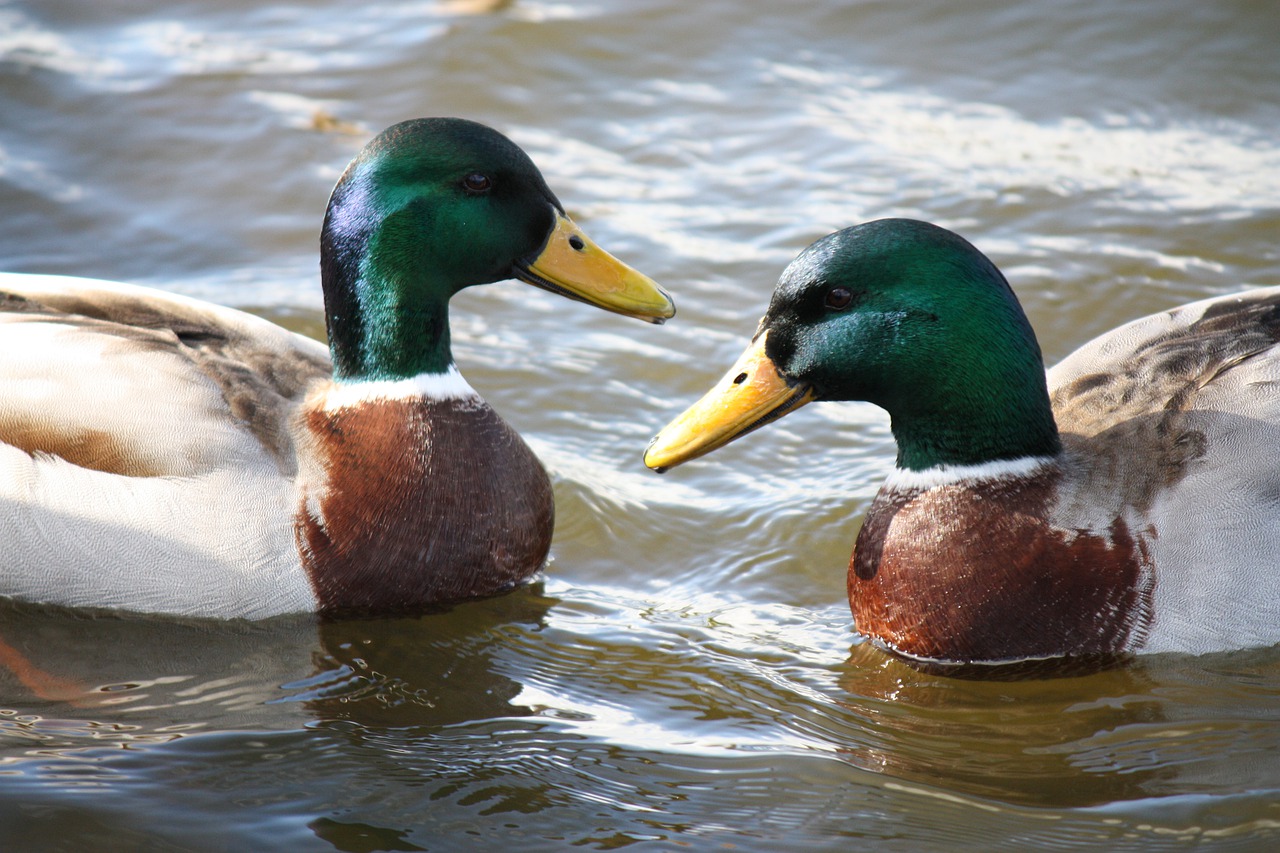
x=979, y=573
x=426, y=501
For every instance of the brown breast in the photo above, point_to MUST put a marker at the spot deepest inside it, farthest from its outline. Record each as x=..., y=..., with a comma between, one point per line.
x=426, y=501
x=979, y=574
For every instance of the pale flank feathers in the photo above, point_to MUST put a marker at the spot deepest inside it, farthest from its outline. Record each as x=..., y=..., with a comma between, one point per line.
x=1181, y=421
x=172, y=483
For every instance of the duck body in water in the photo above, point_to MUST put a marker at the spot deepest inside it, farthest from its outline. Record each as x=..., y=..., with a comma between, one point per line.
x=167, y=455
x=1126, y=502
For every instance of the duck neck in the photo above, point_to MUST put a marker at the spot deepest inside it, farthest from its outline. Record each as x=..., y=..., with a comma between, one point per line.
x=1005, y=419
x=377, y=332
x=386, y=304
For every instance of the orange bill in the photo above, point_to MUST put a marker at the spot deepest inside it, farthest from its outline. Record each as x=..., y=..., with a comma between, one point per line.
x=571, y=265
x=749, y=396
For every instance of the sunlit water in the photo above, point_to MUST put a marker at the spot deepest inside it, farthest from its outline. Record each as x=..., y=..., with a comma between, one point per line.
x=685, y=676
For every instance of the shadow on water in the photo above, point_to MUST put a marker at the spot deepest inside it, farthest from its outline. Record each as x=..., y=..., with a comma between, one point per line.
x=1138, y=729
x=94, y=702
x=516, y=714
x=155, y=677
x=428, y=671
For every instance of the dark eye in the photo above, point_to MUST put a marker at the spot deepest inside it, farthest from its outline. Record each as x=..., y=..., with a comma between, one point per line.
x=838, y=298
x=476, y=183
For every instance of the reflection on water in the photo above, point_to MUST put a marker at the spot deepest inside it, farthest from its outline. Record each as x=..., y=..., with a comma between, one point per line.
x=130, y=678
x=538, y=710
x=432, y=671
x=1122, y=734
x=686, y=677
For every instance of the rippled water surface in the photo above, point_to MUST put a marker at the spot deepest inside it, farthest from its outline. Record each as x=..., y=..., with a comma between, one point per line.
x=685, y=676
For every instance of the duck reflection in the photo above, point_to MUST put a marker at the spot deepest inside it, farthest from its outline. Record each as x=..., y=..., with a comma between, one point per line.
x=71, y=678
x=434, y=670
x=102, y=688
x=1068, y=739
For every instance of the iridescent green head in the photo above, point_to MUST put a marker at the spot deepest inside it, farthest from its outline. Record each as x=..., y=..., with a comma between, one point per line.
x=431, y=206
x=902, y=314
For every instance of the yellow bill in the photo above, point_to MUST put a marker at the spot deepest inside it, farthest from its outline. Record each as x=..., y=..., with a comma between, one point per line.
x=749, y=396
x=572, y=265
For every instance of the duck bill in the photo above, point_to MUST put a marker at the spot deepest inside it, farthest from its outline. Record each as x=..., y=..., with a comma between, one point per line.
x=571, y=265
x=749, y=396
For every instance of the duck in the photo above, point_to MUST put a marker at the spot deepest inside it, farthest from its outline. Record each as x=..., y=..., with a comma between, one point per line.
x=1125, y=502
x=162, y=454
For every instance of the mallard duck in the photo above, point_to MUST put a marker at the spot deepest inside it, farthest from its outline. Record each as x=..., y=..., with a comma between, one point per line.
x=167, y=455
x=1127, y=502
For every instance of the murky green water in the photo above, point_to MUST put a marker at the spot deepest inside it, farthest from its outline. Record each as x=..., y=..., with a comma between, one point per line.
x=685, y=676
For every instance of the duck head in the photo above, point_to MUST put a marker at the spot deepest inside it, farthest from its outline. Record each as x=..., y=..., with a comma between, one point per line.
x=431, y=206
x=899, y=313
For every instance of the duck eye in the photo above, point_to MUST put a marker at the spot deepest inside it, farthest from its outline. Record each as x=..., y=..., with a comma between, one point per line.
x=838, y=298
x=476, y=183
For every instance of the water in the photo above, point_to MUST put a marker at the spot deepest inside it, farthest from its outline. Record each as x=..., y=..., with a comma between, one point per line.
x=684, y=677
